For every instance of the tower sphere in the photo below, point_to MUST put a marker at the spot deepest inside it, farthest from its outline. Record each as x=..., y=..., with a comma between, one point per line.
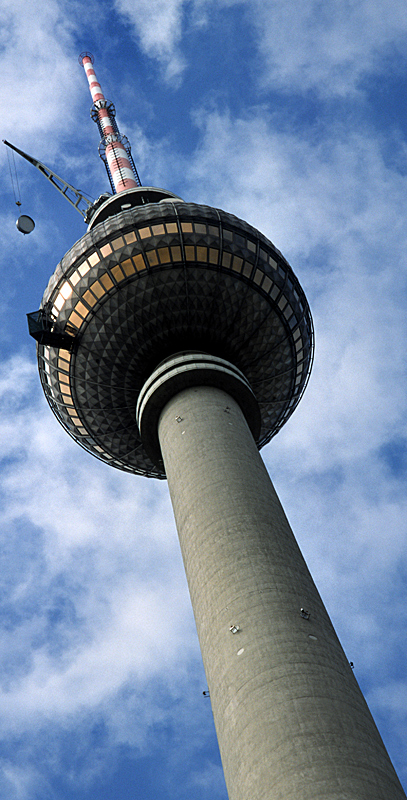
x=153, y=277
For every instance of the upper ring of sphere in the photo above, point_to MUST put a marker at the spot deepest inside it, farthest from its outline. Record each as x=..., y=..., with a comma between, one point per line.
x=155, y=280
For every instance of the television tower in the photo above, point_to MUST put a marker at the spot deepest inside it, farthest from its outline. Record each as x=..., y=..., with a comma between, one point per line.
x=174, y=340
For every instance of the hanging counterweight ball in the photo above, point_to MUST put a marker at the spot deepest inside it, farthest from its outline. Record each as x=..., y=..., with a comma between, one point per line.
x=25, y=224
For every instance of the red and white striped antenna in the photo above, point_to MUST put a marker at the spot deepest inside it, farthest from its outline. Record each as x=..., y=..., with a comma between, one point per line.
x=114, y=148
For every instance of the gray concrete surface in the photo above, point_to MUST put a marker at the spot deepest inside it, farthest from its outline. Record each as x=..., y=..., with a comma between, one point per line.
x=291, y=721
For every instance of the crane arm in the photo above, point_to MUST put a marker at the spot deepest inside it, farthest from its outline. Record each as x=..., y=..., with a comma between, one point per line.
x=74, y=196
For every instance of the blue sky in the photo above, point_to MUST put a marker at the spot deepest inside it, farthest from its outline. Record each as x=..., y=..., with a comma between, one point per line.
x=293, y=116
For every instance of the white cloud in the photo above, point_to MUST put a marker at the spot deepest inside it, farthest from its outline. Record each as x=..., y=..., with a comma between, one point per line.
x=97, y=591
x=327, y=48
x=21, y=782
x=158, y=28
x=36, y=80
x=96, y=625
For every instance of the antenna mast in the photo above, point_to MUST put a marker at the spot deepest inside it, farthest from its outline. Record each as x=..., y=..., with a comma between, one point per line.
x=114, y=149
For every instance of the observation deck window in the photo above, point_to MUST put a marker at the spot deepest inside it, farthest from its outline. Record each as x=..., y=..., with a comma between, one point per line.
x=117, y=273
x=128, y=267
x=176, y=253
x=84, y=269
x=164, y=255
x=66, y=290
x=158, y=230
x=152, y=257
x=139, y=262
x=106, y=280
x=90, y=298
x=117, y=243
x=94, y=259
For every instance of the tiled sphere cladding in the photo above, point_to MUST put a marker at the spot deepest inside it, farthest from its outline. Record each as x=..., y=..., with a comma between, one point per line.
x=155, y=280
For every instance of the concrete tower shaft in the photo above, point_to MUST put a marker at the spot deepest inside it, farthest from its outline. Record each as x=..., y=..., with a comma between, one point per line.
x=291, y=721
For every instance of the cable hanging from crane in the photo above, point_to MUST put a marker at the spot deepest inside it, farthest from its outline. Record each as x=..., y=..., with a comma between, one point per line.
x=76, y=198
x=24, y=223
x=14, y=177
